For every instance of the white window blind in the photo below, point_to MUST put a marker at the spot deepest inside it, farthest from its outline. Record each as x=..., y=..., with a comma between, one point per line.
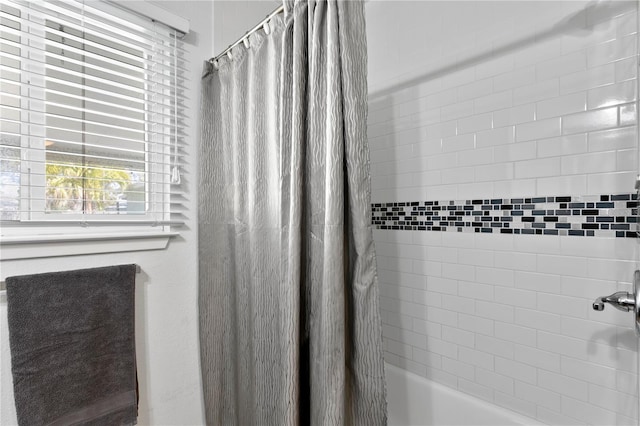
x=91, y=99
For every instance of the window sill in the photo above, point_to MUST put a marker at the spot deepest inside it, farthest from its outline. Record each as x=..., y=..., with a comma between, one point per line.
x=37, y=246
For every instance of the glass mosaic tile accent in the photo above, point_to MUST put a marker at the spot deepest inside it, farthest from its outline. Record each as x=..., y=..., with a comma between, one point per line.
x=612, y=215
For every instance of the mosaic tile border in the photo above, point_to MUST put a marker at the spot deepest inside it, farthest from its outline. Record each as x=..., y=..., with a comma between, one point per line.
x=612, y=215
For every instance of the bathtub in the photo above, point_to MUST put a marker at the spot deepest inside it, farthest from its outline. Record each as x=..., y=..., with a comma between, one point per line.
x=414, y=400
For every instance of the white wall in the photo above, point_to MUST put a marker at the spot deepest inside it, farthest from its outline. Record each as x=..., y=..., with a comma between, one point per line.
x=233, y=18
x=487, y=100
x=166, y=291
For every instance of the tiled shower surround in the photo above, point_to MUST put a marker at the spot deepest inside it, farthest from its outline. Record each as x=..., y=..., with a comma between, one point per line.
x=505, y=132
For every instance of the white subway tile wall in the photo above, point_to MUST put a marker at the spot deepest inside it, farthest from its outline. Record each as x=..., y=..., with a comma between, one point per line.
x=482, y=100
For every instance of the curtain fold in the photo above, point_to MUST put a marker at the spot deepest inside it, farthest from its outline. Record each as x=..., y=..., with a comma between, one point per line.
x=290, y=331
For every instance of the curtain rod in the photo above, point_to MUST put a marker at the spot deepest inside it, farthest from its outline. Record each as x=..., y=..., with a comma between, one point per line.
x=280, y=9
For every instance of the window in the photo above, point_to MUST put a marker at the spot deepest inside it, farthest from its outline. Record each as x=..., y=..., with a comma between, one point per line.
x=90, y=125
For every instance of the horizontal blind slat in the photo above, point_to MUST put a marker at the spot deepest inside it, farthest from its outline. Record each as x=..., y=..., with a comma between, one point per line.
x=151, y=174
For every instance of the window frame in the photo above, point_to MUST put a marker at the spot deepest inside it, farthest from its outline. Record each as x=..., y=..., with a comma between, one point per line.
x=41, y=232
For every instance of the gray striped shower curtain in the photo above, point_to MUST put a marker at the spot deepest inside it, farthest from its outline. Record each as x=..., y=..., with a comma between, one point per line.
x=290, y=330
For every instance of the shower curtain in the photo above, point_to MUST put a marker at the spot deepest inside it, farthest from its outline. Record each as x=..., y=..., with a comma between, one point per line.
x=290, y=331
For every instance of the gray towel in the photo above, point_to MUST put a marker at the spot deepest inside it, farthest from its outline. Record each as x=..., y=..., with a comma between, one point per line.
x=72, y=346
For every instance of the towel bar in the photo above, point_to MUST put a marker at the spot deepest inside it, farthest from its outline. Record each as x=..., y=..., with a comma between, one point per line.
x=3, y=286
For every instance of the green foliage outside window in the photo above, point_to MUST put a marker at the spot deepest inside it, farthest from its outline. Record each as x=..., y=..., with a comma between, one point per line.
x=84, y=189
